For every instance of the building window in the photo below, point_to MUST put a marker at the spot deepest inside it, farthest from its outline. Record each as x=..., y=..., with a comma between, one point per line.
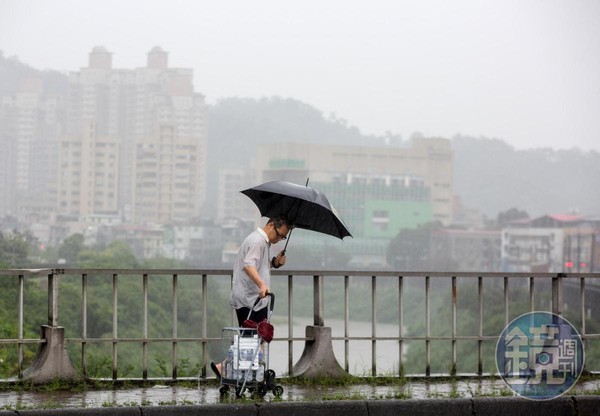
x=380, y=219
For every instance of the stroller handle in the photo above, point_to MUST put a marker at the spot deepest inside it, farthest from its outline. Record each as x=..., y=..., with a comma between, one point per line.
x=271, y=302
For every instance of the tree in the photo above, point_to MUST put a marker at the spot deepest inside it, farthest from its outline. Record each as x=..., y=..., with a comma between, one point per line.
x=163, y=263
x=409, y=250
x=510, y=215
x=70, y=248
x=14, y=249
x=118, y=254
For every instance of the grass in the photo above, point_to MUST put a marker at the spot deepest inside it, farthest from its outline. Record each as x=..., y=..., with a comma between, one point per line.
x=94, y=384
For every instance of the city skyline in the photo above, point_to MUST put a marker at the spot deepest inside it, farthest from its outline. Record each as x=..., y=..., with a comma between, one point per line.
x=522, y=72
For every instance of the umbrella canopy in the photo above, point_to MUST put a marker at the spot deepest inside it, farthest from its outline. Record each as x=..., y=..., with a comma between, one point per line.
x=306, y=207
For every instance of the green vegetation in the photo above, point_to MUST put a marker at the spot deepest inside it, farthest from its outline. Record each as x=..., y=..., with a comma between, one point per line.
x=14, y=253
x=15, y=248
x=99, y=355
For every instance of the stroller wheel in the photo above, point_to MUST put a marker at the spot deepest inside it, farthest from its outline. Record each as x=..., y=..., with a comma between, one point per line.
x=269, y=376
x=224, y=390
x=278, y=391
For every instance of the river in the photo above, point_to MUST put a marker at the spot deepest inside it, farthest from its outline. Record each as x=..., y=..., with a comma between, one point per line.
x=359, y=355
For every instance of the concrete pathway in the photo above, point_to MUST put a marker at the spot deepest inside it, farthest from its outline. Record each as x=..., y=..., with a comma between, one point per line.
x=161, y=395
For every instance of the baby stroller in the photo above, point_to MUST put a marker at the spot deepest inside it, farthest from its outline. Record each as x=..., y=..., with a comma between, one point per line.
x=247, y=362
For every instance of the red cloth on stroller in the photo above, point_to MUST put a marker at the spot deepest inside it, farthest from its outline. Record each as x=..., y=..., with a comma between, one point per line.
x=264, y=328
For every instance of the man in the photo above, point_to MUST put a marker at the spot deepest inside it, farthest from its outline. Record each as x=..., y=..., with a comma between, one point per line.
x=252, y=272
x=252, y=269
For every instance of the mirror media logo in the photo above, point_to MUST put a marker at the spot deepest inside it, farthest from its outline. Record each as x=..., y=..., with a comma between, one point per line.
x=540, y=355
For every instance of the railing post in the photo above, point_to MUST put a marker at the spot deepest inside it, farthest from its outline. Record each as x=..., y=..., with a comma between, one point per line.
x=454, y=299
x=400, y=326
x=318, y=359
x=290, y=325
x=84, y=323
x=145, y=326
x=174, y=313
x=52, y=361
x=115, y=325
x=20, y=327
x=427, y=328
x=318, y=300
x=204, y=324
x=582, y=298
x=480, y=331
x=52, y=299
x=346, y=322
x=505, y=300
x=373, y=326
x=557, y=293
x=531, y=294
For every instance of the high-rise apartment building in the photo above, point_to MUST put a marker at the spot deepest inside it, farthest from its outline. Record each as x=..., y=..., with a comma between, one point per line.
x=89, y=172
x=29, y=130
x=231, y=203
x=168, y=178
x=136, y=107
x=7, y=157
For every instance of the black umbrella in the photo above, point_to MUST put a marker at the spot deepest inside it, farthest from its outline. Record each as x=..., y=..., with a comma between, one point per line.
x=306, y=207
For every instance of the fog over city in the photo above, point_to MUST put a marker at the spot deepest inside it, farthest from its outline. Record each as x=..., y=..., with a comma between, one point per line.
x=406, y=175
x=432, y=126
x=525, y=72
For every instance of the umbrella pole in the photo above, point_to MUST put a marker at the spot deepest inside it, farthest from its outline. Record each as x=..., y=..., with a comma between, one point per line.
x=287, y=241
x=290, y=233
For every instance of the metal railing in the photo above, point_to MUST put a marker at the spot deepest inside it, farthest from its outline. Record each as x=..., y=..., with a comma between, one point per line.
x=553, y=295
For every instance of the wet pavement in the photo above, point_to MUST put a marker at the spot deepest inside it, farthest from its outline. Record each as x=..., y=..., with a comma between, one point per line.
x=208, y=393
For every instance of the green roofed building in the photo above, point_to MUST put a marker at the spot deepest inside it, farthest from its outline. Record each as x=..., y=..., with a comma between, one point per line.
x=377, y=191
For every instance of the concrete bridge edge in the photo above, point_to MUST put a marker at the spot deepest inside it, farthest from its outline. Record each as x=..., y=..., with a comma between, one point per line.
x=566, y=405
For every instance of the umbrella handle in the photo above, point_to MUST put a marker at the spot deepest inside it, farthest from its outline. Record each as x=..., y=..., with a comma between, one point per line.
x=287, y=240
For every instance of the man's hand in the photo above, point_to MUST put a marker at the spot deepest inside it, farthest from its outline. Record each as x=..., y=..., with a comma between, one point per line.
x=280, y=259
x=263, y=290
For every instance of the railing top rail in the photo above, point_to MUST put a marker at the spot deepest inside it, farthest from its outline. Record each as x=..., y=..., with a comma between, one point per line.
x=139, y=271
x=444, y=274
x=297, y=272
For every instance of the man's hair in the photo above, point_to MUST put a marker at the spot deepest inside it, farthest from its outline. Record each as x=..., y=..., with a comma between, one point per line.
x=280, y=221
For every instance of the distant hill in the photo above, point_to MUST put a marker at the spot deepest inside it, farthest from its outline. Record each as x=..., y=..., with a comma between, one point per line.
x=12, y=70
x=489, y=174
x=492, y=176
x=244, y=123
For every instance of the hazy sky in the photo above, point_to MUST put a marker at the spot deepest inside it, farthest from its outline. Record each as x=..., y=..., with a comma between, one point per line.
x=525, y=71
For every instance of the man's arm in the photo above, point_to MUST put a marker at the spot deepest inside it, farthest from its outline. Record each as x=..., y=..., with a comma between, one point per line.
x=252, y=273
